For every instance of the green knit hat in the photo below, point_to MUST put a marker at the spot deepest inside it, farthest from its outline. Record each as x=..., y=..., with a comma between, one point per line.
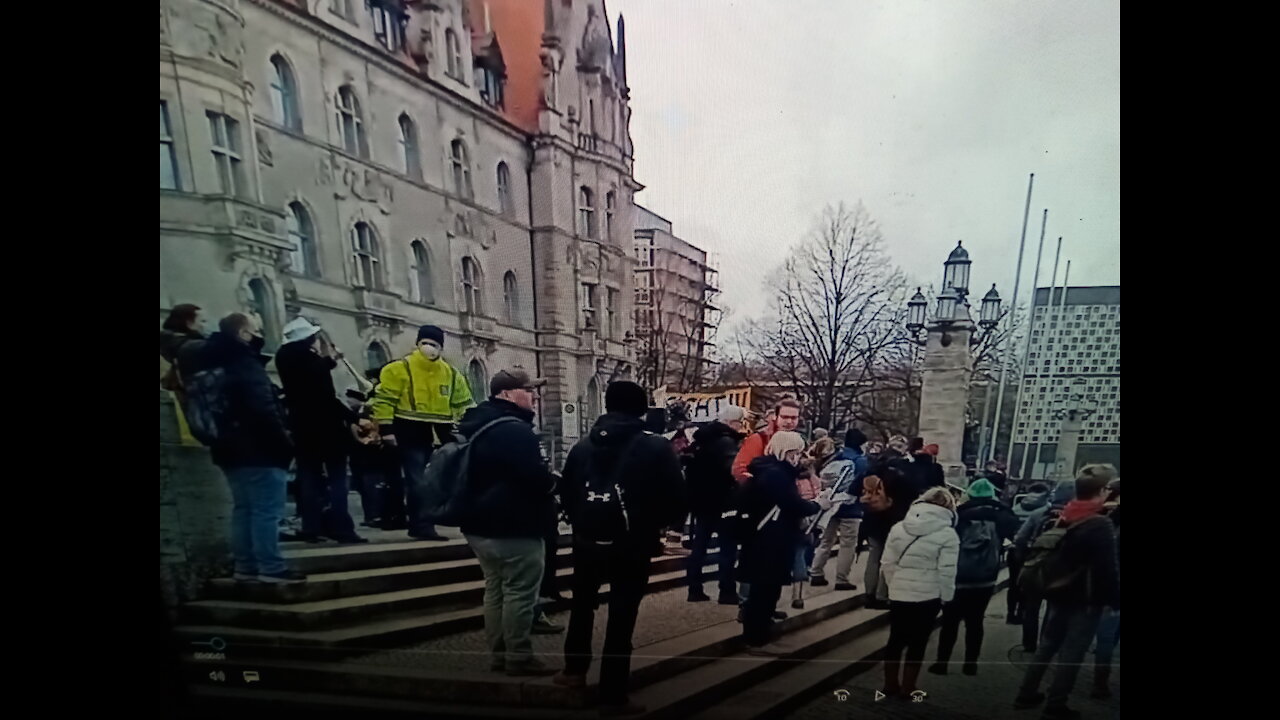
x=981, y=488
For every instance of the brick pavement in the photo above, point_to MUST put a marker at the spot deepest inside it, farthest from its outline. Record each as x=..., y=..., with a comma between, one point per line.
x=987, y=696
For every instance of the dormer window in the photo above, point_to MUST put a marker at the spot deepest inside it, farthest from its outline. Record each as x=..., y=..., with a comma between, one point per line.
x=389, y=21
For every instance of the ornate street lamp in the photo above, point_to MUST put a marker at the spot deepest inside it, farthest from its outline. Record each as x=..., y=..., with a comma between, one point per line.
x=989, y=315
x=955, y=272
x=916, y=309
x=947, y=305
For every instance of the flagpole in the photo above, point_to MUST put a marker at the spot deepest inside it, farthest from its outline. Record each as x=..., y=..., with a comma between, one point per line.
x=1062, y=307
x=1017, y=277
x=1026, y=352
x=1048, y=318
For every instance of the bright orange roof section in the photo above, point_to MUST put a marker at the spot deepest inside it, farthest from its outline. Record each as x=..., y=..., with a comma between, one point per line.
x=518, y=25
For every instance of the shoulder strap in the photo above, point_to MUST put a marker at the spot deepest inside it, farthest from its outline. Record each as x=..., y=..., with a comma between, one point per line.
x=413, y=400
x=908, y=547
x=497, y=421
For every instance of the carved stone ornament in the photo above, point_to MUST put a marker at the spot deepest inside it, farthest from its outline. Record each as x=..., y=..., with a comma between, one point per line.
x=595, y=47
x=264, y=147
x=364, y=184
x=324, y=172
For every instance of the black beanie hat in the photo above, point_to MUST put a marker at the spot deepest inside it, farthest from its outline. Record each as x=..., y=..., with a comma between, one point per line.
x=627, y=398
x=430, y=332
x=854, y=437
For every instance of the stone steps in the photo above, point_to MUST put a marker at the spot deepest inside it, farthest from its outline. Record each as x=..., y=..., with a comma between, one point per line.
x=318, y=559
x=672, y=678
x=455, y=612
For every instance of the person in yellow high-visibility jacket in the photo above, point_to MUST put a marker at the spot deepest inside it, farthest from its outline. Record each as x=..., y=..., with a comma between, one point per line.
x=418, y=400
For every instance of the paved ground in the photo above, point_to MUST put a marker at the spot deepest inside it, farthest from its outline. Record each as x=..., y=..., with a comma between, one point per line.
x=988, y=696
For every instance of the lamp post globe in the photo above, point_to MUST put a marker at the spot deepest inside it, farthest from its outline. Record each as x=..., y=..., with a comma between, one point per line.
x=955, y=271
x=989, y=315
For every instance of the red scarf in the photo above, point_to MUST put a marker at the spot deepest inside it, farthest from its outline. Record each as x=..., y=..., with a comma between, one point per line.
x=1078, y=510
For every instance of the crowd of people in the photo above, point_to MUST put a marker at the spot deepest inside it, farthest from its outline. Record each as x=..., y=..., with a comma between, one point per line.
x=776, y=505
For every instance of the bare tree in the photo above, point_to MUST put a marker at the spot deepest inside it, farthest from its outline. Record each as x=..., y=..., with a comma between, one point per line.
x=835, y=327
x=676, y=328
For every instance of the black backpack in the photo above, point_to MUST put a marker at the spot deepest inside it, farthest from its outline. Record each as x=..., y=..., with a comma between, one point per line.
x=602, y=514
x=444, y=493
x=205, y=404
x=979, y=559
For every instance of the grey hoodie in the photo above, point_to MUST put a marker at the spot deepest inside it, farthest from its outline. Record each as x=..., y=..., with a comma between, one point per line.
x=919, y=560
x=1063, y=493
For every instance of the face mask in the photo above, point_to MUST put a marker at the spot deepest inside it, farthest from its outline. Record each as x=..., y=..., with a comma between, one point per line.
x=430, y=352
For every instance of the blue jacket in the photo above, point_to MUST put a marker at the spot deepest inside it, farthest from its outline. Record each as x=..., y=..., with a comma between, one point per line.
x=860, y=466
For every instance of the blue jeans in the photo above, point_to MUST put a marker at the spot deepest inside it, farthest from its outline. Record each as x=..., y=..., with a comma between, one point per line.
x=703, y=527
x=1108, y=637
x=322, y=495
x=258, y=495
x=804, y=556
x=414, y=457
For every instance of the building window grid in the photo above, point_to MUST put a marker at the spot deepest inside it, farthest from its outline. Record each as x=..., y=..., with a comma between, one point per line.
x=422, y=272
x=472, y=286
x=169, y=179
x=587, y=213
x=460, y=160
x=224, y=135
x=504, y=189
x=284, y=94
x=351, y=123
x=367, y=256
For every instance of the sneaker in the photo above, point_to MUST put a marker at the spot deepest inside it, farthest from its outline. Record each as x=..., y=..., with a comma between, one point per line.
x=288, y=577
x=728, y=599
x=620, y=709
x=970, y=669
x=532, y=667
x=797, y=604
x=1028, y=702
x=1061, y=712
x=845, y=586
x=542, y=625
x=311, y=538
x=698, y=596
x=569, y=680
x=818, y=581
x=351, y=539
x=938, y=668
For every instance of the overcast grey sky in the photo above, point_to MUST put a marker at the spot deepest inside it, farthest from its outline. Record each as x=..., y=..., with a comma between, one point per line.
x=749, y=116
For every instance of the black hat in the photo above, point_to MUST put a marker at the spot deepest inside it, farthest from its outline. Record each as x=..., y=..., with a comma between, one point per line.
x=853, y=437
x=430, y=332
x=627, y=398
x=513, y=379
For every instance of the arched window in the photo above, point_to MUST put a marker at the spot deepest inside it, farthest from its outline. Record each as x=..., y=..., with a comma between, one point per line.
x=453, y=54
x=511, y=298
x=264, y=306
x=587, y=213
x=461, y=168
x=409, y=155
x=504, y=189
x=592, y=402
x=610, y=199
x=477, y=379
x=367, y=257
x=284, y=94
x=472, y=287
x=351, y=122
x=304, y=259
x=421, y=273
x=375, y=356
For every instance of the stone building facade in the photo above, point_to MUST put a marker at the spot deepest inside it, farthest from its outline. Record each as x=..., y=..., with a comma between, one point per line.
x=375, y=165
x=1074, y=348
x=675, y=306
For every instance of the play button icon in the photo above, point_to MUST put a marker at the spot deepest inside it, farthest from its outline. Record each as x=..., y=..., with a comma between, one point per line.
x=879, y=696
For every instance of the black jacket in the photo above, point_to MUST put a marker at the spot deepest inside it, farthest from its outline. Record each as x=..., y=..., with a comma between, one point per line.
x=923, y=473
x=1093, y=543
x=710, y=469
x=892, y=471
x=651, y=482
x=181, y=349
x=318, y=419
x=253, y=432
x=768, y=554
x=511, y=484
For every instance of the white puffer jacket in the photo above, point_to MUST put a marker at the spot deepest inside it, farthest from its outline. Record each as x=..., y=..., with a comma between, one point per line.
x=919, y=560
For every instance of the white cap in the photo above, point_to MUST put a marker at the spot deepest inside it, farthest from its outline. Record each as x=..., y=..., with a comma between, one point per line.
x=299, y=329
x=731, y=413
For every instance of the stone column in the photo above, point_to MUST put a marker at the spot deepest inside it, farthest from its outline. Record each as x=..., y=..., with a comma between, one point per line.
x=195, y=514
x=945, y=394
x=1064, y=467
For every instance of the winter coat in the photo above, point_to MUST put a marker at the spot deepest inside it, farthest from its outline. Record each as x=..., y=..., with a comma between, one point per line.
x=710, y=469
x=861, y=464
x=180, y=350
x=919, y=560
x=923, y=473
x=651, y=481
x=1093, y=542
x=768, y=554
x=252, y=432
x=424, y=391
x=318, y=419
x=876, y=525
x=987, y=510
x=511, y=486
x=1062, y=494
x=752, y=448
x=1029, y=503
